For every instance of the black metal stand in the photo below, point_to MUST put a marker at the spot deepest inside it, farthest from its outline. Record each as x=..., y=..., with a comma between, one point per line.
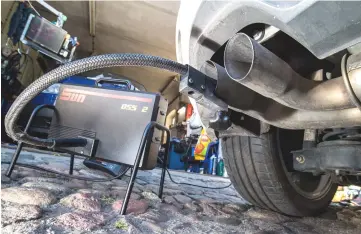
x=145, y=137
x=134, y=171
x=21, y=144
x=71, y=164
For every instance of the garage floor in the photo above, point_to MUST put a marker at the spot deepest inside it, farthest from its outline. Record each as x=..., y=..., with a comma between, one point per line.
x=36, y=202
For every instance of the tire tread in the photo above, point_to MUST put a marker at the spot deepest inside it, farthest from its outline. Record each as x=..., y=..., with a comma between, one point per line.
x=254, y=173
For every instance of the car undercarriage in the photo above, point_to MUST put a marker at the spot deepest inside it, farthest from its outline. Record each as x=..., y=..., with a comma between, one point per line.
x=283, y=92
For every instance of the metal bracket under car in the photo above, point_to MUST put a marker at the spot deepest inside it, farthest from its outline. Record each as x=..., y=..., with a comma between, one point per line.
x=204, y=91
x=335, y=156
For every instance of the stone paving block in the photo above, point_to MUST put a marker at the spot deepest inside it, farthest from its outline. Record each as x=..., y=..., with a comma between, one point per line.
x=192, y=206
x=18, y=174
x=43, y=179
x=95, y=193
x=118, y=192
x=167, y=191
x=28, y=196
x=169, y=200
x=57, y=166
x=152, y=188
x=13, y=213
x=151, y=196
x=141, y=182
x=93, y=174
x=234, y=209
x=182, y=199
x=236, y=200
x=350, y=216
x=82, y=201
x=24, y=157
x=137, y=189
x=76, y=184
x=4, y=186
x=229, y=191
x=56, y=188
x=4, y=167
x=152, y=227
x=54, y=168
x=134, y=206
x=120, y=183
x=5, y=180
x=192, y=190
x=29, y=227
x=100, y=186
x=80, y=221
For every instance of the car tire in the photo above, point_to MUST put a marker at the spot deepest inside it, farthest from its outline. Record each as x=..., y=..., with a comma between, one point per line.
x=257, y=170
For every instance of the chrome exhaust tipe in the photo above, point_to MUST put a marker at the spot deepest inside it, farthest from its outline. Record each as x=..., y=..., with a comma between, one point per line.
x=254, y=66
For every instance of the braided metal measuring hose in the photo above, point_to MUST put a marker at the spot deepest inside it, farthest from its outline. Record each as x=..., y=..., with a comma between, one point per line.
x=73, y=68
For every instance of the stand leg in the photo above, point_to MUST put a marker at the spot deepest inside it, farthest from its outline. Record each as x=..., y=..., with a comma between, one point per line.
x=160, y=191
x=14, y=159
x=164, y=167
x=71, y=164
x=136, y=167
x=20, y=144
x=165, y=162
x=137, y=162
x=130, y=185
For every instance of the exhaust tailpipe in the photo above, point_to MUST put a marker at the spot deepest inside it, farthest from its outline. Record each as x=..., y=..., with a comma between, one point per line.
x=244, y=100
x=252, y=65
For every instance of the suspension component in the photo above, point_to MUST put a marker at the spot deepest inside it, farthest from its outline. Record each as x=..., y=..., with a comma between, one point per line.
x=339, y=151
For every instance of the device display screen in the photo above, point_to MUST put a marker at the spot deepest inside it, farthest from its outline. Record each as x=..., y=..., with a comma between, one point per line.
x=46, y=34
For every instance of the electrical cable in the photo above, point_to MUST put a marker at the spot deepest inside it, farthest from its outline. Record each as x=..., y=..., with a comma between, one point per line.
x=195, y=185
x=31, y=5
x=355, y=100
x=109, y=179
x=67, y=175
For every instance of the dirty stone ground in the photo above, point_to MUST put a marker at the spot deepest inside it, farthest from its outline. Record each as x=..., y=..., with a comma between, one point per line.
x=37, y=202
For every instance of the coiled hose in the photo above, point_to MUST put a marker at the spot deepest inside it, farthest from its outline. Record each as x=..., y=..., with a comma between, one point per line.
x=73, y=68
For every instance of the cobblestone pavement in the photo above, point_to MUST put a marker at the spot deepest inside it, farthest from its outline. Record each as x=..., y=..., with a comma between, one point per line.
x=38, y=202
